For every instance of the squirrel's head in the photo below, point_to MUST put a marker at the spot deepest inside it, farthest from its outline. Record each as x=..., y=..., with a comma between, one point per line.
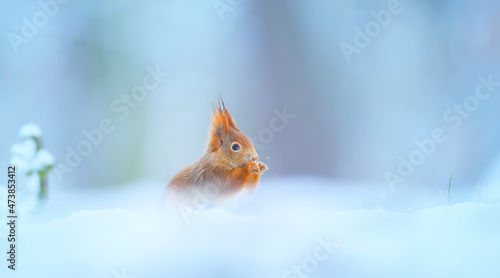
x=227, y=141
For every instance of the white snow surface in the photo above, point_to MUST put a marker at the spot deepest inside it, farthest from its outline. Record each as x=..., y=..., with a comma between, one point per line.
x=23, y=155
x=325, y=228
x=30, y=130
x=42, y=160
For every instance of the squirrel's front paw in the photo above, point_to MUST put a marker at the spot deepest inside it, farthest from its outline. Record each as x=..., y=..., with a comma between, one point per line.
x=253, y=167
x=256, y=167
x=262, y=167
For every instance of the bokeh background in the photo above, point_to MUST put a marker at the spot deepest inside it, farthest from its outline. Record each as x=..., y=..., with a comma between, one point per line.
x=72, y=67
x=353, y=119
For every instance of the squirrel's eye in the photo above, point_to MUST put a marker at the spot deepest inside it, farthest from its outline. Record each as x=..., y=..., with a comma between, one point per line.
x=236, y=147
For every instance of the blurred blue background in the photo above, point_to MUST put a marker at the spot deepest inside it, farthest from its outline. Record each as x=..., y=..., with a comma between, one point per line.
x=65, y=65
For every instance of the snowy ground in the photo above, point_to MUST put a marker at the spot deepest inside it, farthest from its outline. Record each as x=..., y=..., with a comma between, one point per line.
x=293, y=227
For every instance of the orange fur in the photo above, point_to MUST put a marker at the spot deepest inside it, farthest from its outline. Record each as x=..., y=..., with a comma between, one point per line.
x=221, y=171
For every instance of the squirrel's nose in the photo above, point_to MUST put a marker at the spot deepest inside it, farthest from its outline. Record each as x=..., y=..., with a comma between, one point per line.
x=255, y=157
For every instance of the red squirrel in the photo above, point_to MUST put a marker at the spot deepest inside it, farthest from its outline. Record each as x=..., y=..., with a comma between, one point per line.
x=228, y=166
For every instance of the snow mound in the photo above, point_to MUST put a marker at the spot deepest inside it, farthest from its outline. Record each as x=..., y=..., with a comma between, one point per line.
x=145, y=239
x=30, y=130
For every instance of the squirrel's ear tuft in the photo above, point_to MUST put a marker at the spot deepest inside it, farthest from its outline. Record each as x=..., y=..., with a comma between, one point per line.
x=222, y=123
x=223, y=117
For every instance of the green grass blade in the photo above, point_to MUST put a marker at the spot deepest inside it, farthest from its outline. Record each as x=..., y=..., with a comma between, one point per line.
x=449, y=187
